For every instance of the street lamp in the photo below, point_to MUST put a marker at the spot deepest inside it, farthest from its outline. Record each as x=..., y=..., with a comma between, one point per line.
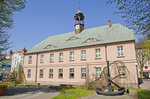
x=136, y=64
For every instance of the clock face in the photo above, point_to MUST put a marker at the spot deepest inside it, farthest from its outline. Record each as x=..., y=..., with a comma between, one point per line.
x=77, y=26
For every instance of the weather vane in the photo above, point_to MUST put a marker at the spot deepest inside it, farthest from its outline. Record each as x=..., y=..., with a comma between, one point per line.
x=79, y=5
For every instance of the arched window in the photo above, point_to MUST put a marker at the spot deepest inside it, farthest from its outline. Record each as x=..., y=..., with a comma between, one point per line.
x=73, y=38
x=49, y=46
x=91, y=40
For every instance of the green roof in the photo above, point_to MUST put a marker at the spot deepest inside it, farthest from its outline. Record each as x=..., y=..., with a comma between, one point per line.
x=104, y=34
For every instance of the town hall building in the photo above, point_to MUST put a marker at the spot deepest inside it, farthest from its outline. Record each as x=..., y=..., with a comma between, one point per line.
x=64, y=58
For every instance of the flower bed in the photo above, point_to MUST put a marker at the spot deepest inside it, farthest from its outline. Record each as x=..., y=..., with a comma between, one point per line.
x=3, y=89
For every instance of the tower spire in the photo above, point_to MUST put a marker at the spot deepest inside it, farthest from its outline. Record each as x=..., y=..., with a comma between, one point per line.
x=79, y=6
x=79, y=21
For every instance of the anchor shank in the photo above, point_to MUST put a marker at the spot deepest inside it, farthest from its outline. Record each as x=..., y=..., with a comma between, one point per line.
x=108, y=78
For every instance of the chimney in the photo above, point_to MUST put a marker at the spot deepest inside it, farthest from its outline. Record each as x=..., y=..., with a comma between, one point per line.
x=10, y=52
x=109, y=23
x=24, y=50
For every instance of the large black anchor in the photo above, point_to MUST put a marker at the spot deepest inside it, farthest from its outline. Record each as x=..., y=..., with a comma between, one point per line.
x=111, y=91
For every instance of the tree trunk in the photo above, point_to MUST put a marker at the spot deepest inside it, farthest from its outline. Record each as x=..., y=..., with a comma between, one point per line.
x=141, y=72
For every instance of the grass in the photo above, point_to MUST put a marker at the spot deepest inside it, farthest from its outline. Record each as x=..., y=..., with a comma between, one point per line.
x=73, y=93
x=14, y=84
x=143, y=93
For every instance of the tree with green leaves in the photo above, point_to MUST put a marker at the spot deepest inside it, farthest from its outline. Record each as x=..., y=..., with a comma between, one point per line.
x=140, y=55
x=136, y=14
x=147, y=50
x=20, y=75
x=7, y=10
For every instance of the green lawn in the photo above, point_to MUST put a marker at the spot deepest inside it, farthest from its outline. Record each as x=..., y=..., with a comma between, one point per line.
x=73, y=93
x=143, y=93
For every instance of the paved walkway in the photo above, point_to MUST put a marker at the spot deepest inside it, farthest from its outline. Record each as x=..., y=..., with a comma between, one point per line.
x=145, y=84
x=96, y=96
x=30, y=92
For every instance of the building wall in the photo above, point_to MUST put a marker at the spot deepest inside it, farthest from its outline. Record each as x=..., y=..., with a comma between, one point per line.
x=129, y=59
x=17, y=59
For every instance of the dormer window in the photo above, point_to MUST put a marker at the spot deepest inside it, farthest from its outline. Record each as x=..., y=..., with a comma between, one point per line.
x=91, y=40
x=73, y=38
x=49, y=46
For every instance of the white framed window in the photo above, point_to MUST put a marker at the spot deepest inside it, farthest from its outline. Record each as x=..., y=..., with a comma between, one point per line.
x=98, y=55
x=98, y=72
x=49, y=46
x=71, y=73
x=83, y=72
x=51, y=57
x=145, y=63
x=29, y=73
x=72, y=55
x=42, y=58
x=60, y=74
x=83, y=54
x=122, y=71
x=50, y=73
x=73, y=38
x=60, y=57
x=41, y=73
x=120, y=50
x=140, y=55
x=91, y=40
x=30, y=60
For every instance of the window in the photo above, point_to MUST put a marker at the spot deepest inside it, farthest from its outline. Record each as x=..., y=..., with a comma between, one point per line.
x=91, y=40
x=72, y=56
x=60, y=57
x=120, y=50
x=71, y=72
x=73, y=38
x=122, y=71
x=83, y=72
x=60, y=75
x=29, y=73
x=83, y=54
x=30, y=60
x=41, y=73
x=140, y=54
x=51, y=57
x=98, y=53
x=49, y=46
x=98, y=72
x=42, y=58
x=145, y=63
x=50, y=73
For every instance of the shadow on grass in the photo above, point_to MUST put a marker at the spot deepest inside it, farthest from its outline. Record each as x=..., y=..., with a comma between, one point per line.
x=66, y=88
x=143, y=94
x=18, y=90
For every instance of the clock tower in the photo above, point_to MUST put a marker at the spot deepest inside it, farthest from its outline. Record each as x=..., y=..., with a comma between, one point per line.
x=79, y=21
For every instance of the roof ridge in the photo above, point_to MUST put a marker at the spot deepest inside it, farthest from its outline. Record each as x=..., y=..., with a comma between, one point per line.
x=84, y=30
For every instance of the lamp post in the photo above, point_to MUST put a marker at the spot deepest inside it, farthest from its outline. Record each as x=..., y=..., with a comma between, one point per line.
x=136, y=64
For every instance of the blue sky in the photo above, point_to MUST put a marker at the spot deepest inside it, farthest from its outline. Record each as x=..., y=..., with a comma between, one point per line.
x=43, y=18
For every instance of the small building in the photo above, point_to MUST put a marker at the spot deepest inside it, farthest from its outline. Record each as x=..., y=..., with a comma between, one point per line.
x=5, y=67
x=17, y=59
x=66, y=58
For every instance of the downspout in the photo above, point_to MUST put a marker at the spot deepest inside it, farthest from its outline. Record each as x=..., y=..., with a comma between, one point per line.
x=36, y=68
x=106, y=52
x=136, y=64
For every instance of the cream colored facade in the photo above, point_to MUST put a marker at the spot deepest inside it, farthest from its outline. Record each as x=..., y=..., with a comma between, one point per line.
x=108, y=52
